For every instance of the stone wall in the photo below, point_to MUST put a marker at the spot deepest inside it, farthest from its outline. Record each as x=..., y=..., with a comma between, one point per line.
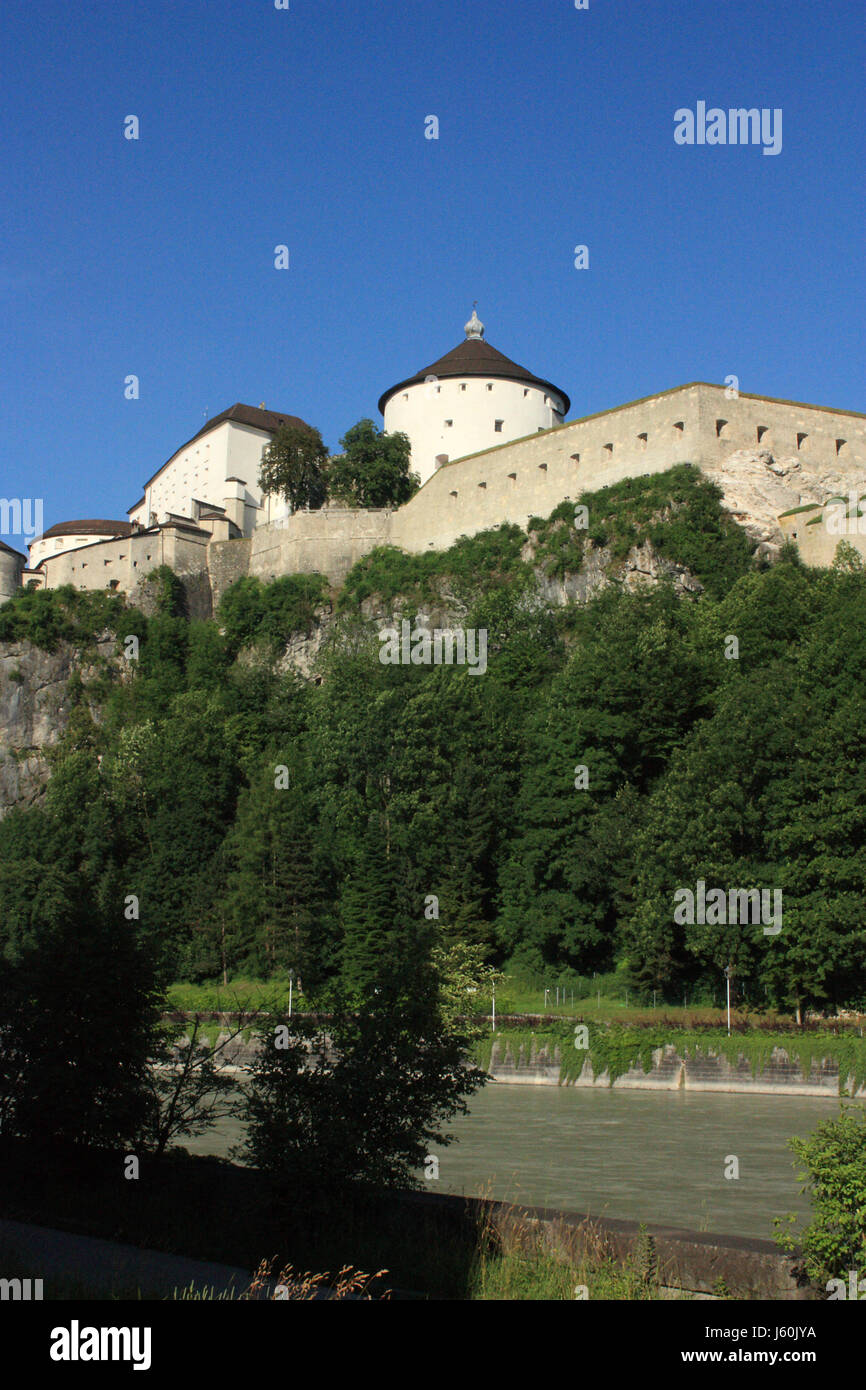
x=228, y=561
x=11, y=567
x=814, y=539
x=122, y=563
x=329, y=541
x=767, y=455
x=694, y=424
x=670, y=1071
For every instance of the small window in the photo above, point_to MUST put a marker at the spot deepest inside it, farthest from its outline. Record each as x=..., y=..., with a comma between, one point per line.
x=576, y=458
x=841, y=448
x=721, y=426
x=526, y=390
x=543, y=467
x=761, y=431
x=463, y=386
x=454, y=493
x=113, y=583
x=448, y=423
x=497, y=425
x=642, y=441
x=490, y=386
x=513, y=477
x=405, y=395
x=482, y=484
x=608, y=449
x=441, y=459
x=801, y=440
x=679, y=426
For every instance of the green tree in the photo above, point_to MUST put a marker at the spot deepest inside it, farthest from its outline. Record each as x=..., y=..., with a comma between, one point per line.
x=278, y=903
x=293, y=467
x=373, y=470
x=833, y=1159
x=360, y=1102
x=79, y=1018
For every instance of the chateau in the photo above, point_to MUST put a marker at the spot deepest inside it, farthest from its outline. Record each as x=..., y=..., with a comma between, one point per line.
x=491, y=444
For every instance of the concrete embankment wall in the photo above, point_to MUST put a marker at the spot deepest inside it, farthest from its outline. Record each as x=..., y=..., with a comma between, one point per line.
x=681, y=1262
x=670, y=1071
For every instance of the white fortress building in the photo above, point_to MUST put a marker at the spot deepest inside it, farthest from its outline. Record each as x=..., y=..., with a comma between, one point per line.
x=491, y=444
x=216, y=471
x=473, y=398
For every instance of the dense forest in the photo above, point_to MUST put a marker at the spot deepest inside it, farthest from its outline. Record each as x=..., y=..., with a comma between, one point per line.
x=616, y=749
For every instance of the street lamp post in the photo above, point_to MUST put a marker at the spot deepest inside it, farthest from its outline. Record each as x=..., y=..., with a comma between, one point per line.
x=728, y=973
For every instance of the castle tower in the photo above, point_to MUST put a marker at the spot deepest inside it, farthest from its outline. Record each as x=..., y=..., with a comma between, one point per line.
x=473, y=398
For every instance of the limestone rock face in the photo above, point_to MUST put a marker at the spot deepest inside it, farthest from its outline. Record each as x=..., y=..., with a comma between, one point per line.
x=758, y=485
x=34, y=714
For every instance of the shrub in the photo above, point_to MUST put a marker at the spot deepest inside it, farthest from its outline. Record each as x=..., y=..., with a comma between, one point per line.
x=834, y=1167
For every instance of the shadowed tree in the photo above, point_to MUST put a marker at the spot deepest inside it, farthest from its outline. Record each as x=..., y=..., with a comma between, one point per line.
x=293, y=467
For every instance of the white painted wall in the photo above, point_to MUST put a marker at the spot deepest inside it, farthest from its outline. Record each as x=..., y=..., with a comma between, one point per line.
x=473, y=405
x=200, y=471
x=58, y=545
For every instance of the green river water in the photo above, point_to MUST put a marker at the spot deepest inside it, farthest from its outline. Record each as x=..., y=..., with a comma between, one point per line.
x=654, y=1156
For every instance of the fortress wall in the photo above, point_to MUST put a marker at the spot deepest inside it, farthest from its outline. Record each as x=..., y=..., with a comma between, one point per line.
x=11, y=566
x=126, y=560
x=818, y=436
x=328, y=541
x=695, y=424
x=228, y=561
x=95, y=566
x=817, y=543
x=531, y=476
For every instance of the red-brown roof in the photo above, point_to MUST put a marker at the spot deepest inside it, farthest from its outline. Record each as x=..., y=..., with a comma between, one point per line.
x=253, y=415
x=94, y=527
x=474, y=357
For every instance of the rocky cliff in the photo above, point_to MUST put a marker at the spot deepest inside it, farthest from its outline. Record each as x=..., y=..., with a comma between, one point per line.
x=34, y=712
x=759, y=485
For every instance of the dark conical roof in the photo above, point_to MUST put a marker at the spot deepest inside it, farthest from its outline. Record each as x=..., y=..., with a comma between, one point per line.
x=474, y=357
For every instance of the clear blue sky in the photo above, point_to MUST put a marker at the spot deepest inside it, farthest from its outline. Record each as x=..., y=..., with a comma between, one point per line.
x=306, y=127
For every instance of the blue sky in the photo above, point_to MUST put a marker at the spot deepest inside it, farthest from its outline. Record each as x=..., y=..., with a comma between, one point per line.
x=306, y=127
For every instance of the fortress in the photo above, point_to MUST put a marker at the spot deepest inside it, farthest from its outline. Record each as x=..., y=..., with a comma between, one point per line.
x=491, y=444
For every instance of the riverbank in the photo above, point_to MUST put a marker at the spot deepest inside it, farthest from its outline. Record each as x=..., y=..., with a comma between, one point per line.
x=671, y=1068
x=437, y=1246
x=812, y=1064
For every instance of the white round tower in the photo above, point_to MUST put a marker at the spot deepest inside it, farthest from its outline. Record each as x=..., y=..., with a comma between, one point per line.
x=472, y=399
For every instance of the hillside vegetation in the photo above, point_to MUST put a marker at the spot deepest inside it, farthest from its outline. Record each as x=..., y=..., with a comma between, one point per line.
x=267, y=823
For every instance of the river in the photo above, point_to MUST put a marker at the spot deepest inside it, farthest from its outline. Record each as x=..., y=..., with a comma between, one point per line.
x=654, y=1156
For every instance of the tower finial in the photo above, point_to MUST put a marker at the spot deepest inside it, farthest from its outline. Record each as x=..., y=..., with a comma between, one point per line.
x=474, y=328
